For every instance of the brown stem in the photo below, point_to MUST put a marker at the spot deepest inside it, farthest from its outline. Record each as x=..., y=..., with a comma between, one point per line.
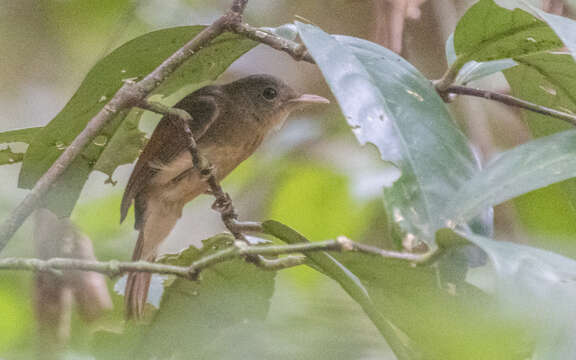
x=511, y=101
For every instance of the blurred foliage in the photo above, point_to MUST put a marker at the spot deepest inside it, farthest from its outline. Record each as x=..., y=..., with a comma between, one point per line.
x=342, y=306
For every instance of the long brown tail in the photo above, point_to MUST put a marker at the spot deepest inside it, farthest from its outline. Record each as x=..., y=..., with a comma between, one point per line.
x=137, y=285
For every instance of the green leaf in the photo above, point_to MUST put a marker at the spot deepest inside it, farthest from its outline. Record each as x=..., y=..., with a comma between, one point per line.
x=404, y=349
x=133, y=60
x=124, y=147
x=564, y=27
x=456, y=322
x=9, y=156
x=538, y=286
x=527, y=167
x=419, y=319
x=194, y=313
x=489, y=32
x=474, y=70
x=388, y=103
x=546, y=79
x=20, y=135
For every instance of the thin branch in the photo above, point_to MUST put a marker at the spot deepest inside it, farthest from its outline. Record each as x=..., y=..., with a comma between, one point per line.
x=294, y=49
x=511, y=101
x=130, y=94
x=223, y=203
x=116, y=268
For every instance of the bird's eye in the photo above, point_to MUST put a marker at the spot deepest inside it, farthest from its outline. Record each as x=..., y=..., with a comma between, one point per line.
x=269, y=93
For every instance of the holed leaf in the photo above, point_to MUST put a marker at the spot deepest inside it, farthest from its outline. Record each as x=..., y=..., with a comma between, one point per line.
x=387, y=102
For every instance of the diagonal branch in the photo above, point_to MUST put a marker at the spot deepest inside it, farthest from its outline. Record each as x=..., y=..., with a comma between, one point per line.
x=223, y=203
x=129, y=95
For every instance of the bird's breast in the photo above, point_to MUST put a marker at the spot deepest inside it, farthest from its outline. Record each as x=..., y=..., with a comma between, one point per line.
x=178, y=181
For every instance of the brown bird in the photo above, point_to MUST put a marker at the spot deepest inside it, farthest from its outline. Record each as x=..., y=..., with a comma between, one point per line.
x=228, y=123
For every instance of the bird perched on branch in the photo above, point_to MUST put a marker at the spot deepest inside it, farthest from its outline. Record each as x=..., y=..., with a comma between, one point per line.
x=228, y=124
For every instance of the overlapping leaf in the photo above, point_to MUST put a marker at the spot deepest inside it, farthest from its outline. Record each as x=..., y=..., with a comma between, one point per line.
x=525, y=168
x=535, y=285
x=489, y=32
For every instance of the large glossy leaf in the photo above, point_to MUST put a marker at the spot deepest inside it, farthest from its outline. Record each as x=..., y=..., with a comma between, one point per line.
x=527, y=167
x=388, y=103
x=547, y=79
x=537, y=286
x=489, y=32
x=132, y=60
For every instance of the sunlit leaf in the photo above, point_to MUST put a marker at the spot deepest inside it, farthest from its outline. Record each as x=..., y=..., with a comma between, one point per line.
x=387, y=102
x=133, y=60
x=489, y=32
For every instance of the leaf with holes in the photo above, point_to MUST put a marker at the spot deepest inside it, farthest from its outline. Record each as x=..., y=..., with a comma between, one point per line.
x=388, y=103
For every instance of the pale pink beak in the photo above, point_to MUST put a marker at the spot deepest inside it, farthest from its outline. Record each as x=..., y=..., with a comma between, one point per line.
x=310, y=99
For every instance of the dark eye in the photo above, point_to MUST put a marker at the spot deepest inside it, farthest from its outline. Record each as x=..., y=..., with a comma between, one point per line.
x=269, y=93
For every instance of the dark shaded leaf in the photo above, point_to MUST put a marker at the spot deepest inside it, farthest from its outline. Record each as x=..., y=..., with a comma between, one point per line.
x=192, y=314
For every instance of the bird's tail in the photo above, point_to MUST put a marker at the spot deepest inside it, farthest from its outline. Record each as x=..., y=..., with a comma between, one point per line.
x=137, y=285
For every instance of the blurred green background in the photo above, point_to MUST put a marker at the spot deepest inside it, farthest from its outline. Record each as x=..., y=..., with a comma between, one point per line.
x=312, y=175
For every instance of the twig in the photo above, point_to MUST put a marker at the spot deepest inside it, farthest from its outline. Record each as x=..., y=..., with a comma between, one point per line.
x=450, y=76
x=223, y=203
x=511, y=101
x=294, y=49
x=130, y=94
x=115, y=268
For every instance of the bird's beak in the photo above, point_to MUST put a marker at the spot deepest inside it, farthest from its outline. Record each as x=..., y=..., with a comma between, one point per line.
x=309, y=99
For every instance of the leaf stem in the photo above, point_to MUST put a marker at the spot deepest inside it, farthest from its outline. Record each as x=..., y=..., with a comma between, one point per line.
x=511, y=101
x=450, y=76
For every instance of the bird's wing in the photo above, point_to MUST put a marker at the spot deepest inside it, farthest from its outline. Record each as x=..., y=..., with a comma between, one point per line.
x=166, y=143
